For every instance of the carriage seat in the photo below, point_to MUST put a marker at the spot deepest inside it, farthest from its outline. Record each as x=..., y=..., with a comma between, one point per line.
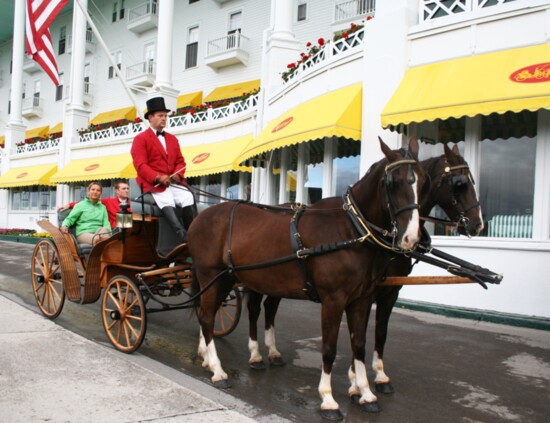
x=82, y=249
x=146, y=206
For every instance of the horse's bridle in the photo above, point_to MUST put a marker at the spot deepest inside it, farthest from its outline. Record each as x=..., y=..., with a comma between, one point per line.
x=388, y=185
x=366, y=229
x=457, y=183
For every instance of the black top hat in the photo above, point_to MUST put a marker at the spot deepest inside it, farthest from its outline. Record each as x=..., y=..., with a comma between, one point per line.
x=155, y=104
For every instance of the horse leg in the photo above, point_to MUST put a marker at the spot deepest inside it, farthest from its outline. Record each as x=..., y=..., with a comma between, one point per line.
x=384, y=307
x=331, y=315
x=357, y=314
x=210, y=301
x=271, y=305
x=254, y=303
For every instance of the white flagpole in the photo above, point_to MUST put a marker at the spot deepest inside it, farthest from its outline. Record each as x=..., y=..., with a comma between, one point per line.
x=111, y=60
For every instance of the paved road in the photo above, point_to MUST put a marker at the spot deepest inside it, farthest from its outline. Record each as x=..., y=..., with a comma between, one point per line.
x=443, y=370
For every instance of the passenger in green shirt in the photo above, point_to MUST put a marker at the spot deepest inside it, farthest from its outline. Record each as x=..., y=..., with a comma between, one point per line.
x=90, y=217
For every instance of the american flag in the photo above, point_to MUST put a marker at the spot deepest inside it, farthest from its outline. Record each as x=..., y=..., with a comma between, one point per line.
x=40, y=14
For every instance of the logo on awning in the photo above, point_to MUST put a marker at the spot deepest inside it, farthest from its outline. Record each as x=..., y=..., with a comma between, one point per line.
x=91, y=167
x=283, y=124
x=533, y=73
x=21, y=175
x=200, y=158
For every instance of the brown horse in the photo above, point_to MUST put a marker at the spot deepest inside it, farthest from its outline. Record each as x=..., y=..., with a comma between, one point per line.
x=453, y=190
x=228, y=237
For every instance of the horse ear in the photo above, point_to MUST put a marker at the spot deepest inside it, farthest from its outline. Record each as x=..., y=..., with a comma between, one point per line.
x=455, y=150
x=413, y=146
x=447, y=150
x=385, y=149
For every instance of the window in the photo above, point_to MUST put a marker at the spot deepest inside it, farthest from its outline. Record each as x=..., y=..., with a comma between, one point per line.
x=121, y=12
x=302, y=10
x=507, y=173
x=118, y=60
x=233, y=35
x=87, y=78
x=62, y=39
x=115, y=11
x=192, y=49
x=33, y=198
x=59, y=89
x=36, y=96
x=149, y=58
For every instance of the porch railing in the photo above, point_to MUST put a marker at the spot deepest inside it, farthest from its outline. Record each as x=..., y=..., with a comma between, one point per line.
x=144, y=9
x=349, y=9
x=434, y=9
x=227, y=43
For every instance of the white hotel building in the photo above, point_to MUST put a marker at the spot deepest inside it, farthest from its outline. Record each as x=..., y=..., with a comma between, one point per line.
x=474, y=72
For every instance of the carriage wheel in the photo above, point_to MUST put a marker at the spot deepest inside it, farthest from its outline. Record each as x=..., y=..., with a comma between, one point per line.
x=123, y=314
x=47, y=284
x=228, y=314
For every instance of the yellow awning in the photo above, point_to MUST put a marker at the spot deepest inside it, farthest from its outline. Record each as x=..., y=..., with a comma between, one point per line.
x=42, y=131
x=191, y=99
x=56, y=128
x=108, y=167
x=232, y=91
x=511, y=80
x=335, y=114
x=106, y=117
x=2, y=139
x=30, y=175
x=217, y=157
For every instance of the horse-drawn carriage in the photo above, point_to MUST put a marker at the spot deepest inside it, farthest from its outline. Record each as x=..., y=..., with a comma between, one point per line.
x=138, y=268
x=346, y=253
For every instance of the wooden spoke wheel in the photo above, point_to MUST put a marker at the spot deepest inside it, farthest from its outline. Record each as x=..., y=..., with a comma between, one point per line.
x=123, y=314
x=228, y=314
x=47, y=283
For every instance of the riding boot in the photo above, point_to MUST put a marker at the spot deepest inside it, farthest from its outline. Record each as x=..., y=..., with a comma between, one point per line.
x=170, y=214
x=188, y=214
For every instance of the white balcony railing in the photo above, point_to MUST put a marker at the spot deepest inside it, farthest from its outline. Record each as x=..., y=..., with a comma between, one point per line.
x=51, y=144
x=227, y=43
x=349, y=9
x=113, y=134
x=211, y=115
x=328, y=52
x=32, y=107
x=142, y=10
x=434, y=9
x=88, y=98
x=146, y=69
x=143, y=17
x=177, y=123
x=90, y=42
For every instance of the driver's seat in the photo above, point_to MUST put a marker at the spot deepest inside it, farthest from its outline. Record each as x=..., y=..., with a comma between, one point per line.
x=167, y=239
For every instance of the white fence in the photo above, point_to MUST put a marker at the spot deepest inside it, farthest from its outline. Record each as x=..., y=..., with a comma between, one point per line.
x=349, y=9
x=434, y=9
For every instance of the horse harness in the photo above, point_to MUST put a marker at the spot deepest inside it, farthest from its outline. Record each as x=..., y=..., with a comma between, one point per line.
x=368, y=232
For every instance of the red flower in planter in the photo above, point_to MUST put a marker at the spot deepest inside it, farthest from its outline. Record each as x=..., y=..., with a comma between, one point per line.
x=291, y=65
x=345, y=35
x=308, y=44
x=321, y=41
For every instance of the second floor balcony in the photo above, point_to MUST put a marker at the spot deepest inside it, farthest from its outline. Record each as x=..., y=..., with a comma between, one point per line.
x=87, y=96
x=90, y=44
x=228, y=50
x=142, y=74
x=346, y=10
x=143, y=17
x=32, y=107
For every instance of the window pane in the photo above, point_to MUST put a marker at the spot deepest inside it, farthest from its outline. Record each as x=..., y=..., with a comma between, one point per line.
x=345, y=172
x=507, y=179
x=213, y=186
x=191, y=55
x=16, y=199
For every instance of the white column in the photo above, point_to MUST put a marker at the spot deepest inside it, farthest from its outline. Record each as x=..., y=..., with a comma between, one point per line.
x=281, y=46
x=78, y=56
x=163, y=83
x=17, y=63
x=391, y=24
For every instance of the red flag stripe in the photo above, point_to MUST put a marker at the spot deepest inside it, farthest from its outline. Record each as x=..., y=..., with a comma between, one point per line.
x=44, y=12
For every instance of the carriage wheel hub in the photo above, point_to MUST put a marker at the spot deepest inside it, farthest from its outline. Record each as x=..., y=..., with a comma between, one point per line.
x=115, y=315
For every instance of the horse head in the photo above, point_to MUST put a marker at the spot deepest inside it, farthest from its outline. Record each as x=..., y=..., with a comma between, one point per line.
x=454, y=192
x=390, y=194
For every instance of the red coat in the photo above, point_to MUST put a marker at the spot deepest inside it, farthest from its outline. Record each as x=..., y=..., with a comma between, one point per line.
x=151, y=160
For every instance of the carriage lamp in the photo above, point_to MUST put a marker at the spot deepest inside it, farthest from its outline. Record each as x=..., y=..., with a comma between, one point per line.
x=124, y=217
